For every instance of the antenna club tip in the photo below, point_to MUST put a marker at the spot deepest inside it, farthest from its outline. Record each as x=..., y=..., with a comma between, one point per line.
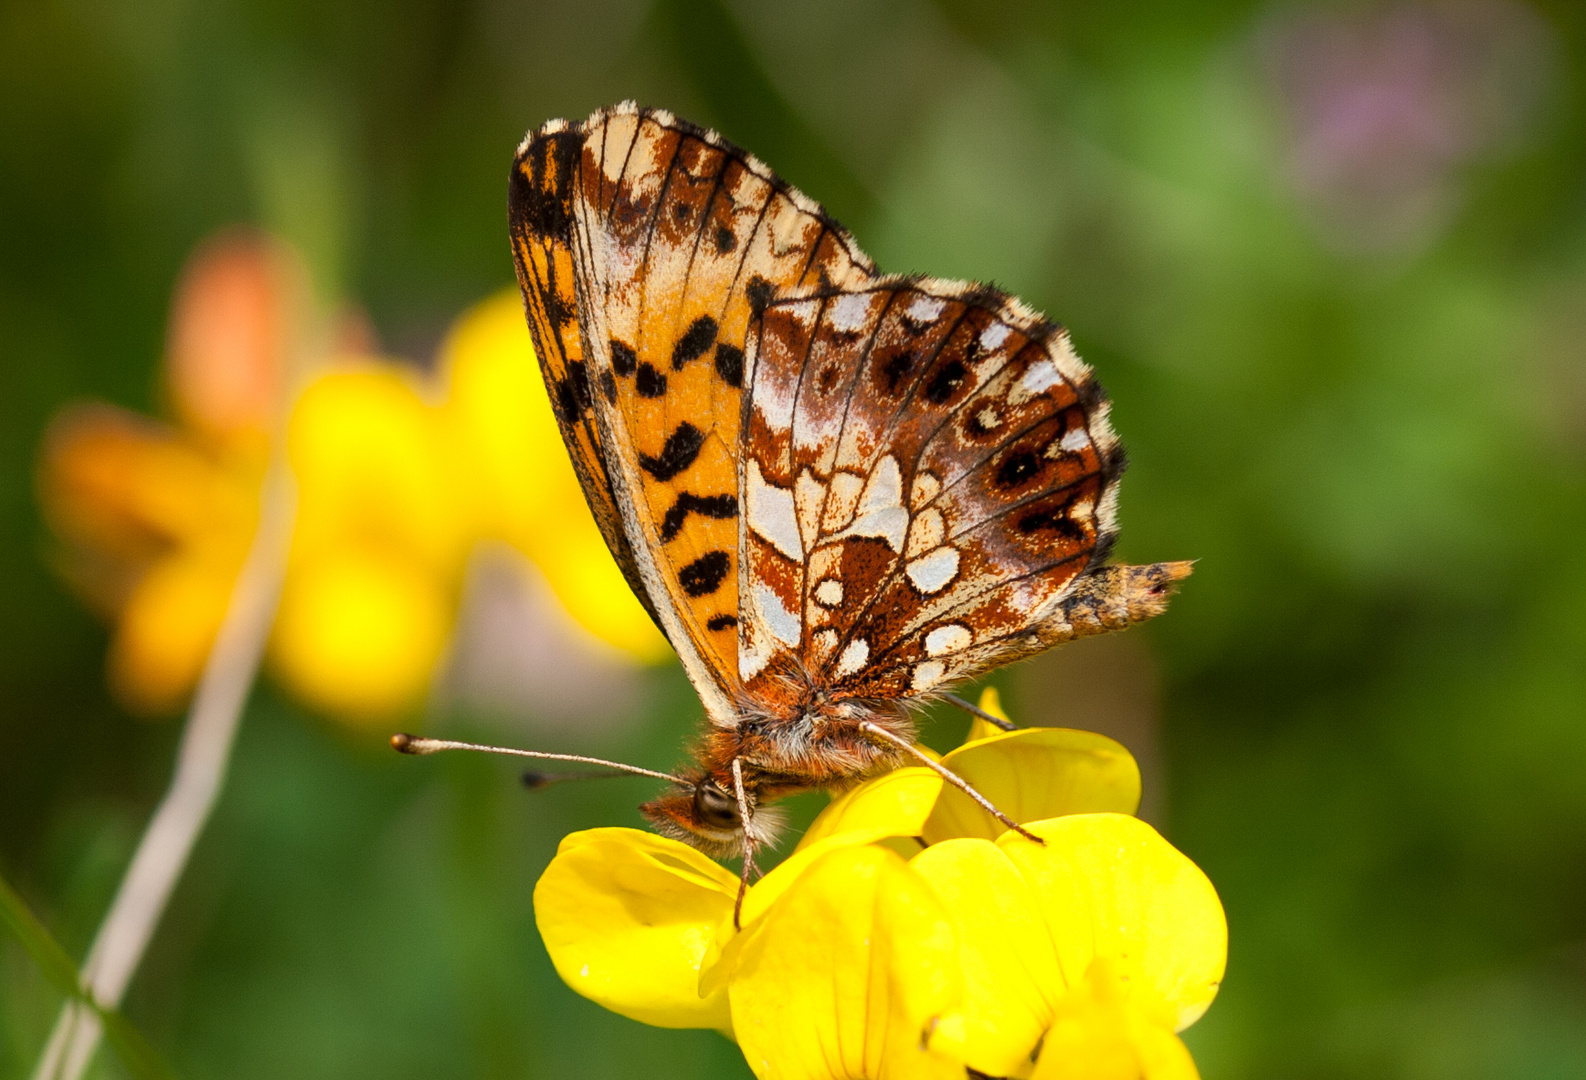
x=403, y=743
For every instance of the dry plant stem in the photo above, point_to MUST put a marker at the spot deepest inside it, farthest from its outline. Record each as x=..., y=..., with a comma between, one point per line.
x=201, y=762
x=950, y=776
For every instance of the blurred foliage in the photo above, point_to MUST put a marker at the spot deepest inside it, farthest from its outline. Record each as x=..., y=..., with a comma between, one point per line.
x=1353, y=390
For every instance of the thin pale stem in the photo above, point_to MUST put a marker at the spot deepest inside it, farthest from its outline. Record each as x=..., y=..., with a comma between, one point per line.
x=949, y=775
x=201, y=762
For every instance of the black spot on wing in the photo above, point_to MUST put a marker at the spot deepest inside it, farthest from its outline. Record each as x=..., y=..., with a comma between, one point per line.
x=729, y=364
x=682, y=447
x=1017, y=468
x=578, y=380
x=725, y=240
x=948, y=378
x=1053, y=519
x=760, y=291
x=650, y=382
x=699, y=337
x=623, y=359
x=720, y=507
x=608, y=387
x=722, y=622
x=567, y=402
x=705, y=574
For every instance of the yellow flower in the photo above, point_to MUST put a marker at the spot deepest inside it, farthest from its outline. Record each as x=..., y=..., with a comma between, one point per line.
x=1092, y=949
x=521, y=484
x=1079, y=957
x=399, y=477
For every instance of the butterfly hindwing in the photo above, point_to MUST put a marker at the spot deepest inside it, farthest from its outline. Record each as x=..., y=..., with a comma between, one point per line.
x=663, y=240
x=928, y=470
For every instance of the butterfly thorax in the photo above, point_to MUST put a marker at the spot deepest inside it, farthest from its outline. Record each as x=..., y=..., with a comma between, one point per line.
x=794, y=735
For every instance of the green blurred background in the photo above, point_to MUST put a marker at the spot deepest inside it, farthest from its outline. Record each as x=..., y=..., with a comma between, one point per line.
x=1330, y=262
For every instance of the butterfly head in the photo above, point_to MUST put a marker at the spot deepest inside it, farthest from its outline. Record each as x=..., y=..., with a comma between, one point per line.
x=704, y=813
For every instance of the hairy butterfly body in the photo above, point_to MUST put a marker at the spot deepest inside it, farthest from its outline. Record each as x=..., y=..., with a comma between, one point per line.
x=836, y=492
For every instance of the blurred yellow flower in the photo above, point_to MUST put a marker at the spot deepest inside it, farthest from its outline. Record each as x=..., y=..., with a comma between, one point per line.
x=1079, y=957
x=398, y=478
x=155, y=520
x=520, y=482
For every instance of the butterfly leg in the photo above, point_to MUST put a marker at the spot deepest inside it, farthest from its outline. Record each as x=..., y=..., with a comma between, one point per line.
x=879, y=732
x=748, y=869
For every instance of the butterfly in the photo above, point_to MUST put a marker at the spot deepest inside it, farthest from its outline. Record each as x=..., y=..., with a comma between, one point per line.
x=837, y=492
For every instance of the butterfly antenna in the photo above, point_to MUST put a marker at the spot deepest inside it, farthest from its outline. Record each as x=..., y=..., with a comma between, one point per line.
x=976, y=710
x=415, y=744
x=534, y=780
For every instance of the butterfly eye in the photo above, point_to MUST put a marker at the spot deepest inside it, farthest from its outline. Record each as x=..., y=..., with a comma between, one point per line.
x=714, y=806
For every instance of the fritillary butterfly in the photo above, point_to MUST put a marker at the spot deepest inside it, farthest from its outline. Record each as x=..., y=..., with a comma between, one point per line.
x=836, y=491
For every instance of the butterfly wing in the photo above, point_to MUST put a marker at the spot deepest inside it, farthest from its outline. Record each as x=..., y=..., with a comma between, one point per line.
x=928, y=472
x=644, y=246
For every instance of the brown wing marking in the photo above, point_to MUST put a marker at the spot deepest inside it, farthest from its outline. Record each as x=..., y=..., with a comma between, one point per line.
x=942, y=462
x=677, y=239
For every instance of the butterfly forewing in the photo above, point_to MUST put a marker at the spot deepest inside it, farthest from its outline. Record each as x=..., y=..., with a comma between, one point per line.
x=663, y=241
x=928, y=468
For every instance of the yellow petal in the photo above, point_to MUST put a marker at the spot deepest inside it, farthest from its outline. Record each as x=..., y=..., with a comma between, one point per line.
x=897, y=802
x=127, y=487
x=1095, y=1036
x=360, y=631
x=1011, y=978
x=1112, y=890
x=167, y=627
x=1033, y=774
x=368, y=454
x=627, y=918
x=991, y=702
x=852, y=974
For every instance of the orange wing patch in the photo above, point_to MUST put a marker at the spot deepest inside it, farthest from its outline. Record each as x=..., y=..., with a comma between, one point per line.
x=672, y=240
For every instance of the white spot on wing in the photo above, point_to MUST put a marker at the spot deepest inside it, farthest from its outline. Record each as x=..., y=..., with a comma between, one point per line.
x=783, y=624
x=1038, y=377
x=934, y=571
x=771, y=514
x=853, y=658
x=620, y=131
x=788, y=226
x=849, y=312
x=881, y=510
x=994, y=335
x=926, y=532
x=928, y=674
x=925, y=308
x=829, y=593
x=1075, y=440
x=948, y=639
x=925, y=488
x=808, y=495
x=843, y=501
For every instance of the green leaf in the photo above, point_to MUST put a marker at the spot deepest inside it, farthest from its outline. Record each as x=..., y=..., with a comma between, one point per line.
x=47, y=953
x=143, y=1062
